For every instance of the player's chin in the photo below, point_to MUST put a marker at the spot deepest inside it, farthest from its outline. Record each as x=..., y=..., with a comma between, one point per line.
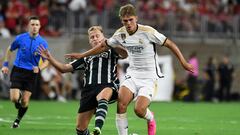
x=97, y=43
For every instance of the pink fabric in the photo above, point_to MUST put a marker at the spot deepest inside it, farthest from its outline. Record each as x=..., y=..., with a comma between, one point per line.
x=194, y=62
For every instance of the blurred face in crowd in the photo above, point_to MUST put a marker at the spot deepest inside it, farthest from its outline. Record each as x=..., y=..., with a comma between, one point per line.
x=96, y=37
x=34, y=27
x=130, y=23
x=225, y=60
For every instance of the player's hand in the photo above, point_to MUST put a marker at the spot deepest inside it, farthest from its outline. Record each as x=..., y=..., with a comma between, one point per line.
x=188, y=67
x=36, y=70
x=5, y=70
x=73, y=56
x=44, y=52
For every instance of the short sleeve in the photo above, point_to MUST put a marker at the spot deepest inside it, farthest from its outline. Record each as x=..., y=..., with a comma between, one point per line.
x=15, y=44
x=157, y=37
x=79, y=64
x=112, y=42
x=45, y=44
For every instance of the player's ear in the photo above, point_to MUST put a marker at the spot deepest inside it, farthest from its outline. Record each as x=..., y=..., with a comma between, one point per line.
x=121, y=20
x=136, y=18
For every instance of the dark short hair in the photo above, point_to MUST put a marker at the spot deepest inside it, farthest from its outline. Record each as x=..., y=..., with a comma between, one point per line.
x=33, y=18
x=127, y=10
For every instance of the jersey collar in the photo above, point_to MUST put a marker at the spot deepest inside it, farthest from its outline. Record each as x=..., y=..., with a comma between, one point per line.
x=32, y=37
x=134, y=31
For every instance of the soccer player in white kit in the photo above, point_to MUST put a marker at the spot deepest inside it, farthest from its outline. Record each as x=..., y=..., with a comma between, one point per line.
x=143, y=71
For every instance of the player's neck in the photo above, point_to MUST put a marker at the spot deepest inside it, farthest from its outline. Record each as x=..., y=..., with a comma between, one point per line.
x=134, y=31
x=33, y=35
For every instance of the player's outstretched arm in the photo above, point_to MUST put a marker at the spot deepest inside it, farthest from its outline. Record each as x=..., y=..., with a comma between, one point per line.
x=63, y=68
x=94, y=51
x=97, y=50
x=173, y=47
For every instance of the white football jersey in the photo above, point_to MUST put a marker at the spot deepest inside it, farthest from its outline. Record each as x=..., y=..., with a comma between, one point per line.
x=141, y=47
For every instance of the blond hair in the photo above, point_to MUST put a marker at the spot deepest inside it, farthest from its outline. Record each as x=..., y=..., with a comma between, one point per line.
x=95, y=28
x=127, y=10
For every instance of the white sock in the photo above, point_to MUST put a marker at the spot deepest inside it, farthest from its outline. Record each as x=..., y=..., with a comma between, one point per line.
x=148, y=116
x=122, y=124
x=51, y=94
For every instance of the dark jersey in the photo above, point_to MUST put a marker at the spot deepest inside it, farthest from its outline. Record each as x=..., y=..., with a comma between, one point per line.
x=99, y=69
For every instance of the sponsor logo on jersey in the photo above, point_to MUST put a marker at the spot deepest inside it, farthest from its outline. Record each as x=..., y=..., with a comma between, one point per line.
x=135, y=49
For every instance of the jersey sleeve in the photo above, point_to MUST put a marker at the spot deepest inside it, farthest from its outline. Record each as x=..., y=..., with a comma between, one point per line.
x=115, y=54
x=79, y=64
x=15, y=44
x=112, y=42
x=44, y=43
x=157, y=37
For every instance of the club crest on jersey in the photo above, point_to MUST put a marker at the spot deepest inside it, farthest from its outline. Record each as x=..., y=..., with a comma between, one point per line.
x=123, y=36
x=140, y=41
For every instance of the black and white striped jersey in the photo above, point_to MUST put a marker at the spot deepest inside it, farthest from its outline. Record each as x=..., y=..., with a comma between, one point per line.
x=99, y=69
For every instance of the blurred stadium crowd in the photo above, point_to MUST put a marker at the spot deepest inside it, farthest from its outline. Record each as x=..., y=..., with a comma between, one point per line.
x=59, y=17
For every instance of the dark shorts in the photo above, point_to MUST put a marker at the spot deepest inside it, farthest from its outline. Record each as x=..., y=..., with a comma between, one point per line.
x=22, y=79
x=89, y=94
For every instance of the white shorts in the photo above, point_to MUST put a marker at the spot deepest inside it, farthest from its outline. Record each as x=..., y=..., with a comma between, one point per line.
x=141, y=87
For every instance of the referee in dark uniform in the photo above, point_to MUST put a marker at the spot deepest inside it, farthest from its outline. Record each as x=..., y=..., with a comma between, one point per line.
x=100, y=81
x=26, y=66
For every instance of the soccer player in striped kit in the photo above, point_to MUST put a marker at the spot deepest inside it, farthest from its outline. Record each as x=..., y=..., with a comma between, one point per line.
x=100, y=81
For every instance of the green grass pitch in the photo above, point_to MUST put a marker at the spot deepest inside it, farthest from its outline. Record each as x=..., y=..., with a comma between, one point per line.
x=173, y=118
